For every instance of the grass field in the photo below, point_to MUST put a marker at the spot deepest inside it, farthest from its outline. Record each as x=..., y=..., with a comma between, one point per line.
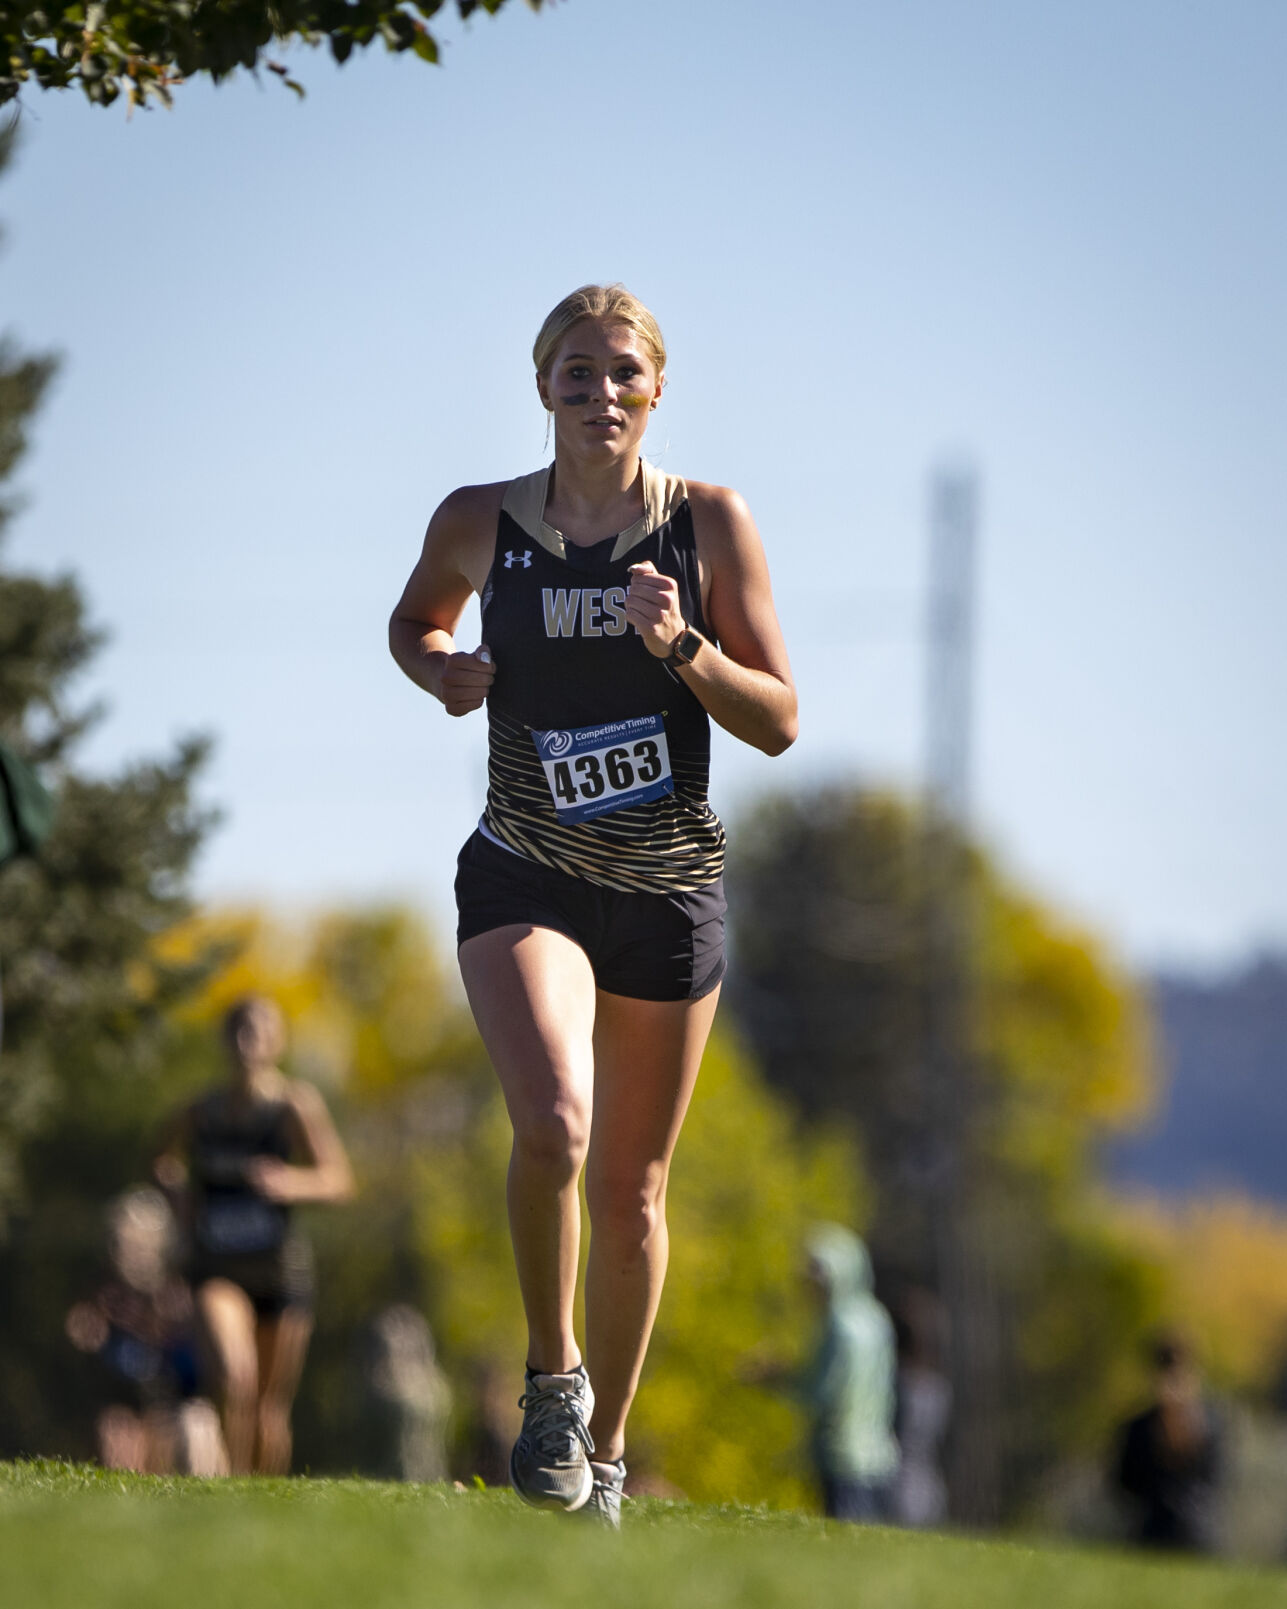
x=80, y=1538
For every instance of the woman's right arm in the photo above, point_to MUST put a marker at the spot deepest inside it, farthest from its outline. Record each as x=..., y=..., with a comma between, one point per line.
x=451, y=568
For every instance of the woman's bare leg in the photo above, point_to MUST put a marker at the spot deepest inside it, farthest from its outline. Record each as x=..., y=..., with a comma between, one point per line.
x=281, y=1342
x=161, y=1427
x=533, y=998
x=122, y=1439
x=647, y=1054
x=227, y=1321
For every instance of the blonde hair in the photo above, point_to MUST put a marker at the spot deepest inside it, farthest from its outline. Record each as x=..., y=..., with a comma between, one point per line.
x=607, y=304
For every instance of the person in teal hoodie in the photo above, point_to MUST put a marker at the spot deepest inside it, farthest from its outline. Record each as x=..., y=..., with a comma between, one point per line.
x=849, y=1385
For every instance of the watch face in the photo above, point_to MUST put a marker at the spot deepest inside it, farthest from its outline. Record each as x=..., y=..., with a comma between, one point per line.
x=687, y=646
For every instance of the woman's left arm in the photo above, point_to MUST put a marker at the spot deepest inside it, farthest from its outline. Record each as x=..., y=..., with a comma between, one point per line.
x=745, y=684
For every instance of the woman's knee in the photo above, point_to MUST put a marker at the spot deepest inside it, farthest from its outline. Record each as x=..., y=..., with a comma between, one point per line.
x=627, y=1205
x=554, y=1139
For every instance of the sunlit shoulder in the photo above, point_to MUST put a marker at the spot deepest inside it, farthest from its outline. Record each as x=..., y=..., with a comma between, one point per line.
x=469, y=506
x=722, y=523
x=463, y=528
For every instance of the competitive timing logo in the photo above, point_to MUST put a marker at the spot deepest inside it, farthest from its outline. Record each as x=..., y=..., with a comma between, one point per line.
x=557, y=744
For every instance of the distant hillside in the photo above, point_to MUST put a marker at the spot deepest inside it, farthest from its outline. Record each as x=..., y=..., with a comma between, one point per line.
x=1222, y=1119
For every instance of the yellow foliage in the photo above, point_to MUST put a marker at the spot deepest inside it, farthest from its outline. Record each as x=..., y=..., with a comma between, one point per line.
x=362, y=991
x=1067, y=1030
x=265, y=956
x=1224, y=1261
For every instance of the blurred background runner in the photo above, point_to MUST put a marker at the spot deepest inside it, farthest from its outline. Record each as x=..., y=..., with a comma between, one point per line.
x=237, y=1159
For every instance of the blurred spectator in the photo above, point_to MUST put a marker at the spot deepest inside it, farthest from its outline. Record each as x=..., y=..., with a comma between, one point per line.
x=924, y=1412
x=847, y=1387
x=408, y=1399
x=237, y=1160
x=1169, y=1460
x=138, y=1328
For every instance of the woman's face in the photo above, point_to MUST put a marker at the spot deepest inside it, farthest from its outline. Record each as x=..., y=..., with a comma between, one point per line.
x=258, y=1039
x=601, y=387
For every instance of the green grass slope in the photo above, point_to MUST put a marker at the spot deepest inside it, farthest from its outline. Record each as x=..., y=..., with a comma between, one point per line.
x=78, y=1538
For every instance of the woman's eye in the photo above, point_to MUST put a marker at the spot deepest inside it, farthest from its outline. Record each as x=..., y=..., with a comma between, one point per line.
x=579, y=372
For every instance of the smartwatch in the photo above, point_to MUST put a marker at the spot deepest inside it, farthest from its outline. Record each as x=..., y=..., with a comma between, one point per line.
x=684, y=648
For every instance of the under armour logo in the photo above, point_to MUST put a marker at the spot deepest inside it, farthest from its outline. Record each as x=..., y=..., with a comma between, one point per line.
x=524, y=558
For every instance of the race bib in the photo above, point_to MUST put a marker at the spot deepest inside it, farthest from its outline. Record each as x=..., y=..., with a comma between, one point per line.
x=591, y=770
x=240, y=1226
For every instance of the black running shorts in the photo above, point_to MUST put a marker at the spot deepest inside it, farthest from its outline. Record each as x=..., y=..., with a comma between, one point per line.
x=644, y=946
x=273, y=1280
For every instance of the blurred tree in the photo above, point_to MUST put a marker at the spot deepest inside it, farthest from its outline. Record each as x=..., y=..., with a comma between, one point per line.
x=85, y=995
x=148, y=47
x=831, y=932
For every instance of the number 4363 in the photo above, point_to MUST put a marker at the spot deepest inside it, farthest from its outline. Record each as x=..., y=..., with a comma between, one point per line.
x=624, y=767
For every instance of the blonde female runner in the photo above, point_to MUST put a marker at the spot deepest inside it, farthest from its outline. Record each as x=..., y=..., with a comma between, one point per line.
x=622, y=610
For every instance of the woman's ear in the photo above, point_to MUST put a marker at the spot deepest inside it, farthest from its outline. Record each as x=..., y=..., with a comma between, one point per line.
x=543, y=391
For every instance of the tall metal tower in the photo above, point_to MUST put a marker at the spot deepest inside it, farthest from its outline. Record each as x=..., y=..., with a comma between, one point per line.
x=956, y=1098
x=954, y=512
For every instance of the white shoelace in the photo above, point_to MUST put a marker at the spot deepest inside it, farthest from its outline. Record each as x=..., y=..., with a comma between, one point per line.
x=554, y=1418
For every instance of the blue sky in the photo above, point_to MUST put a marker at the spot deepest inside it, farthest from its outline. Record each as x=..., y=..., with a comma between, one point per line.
x=1050, y=239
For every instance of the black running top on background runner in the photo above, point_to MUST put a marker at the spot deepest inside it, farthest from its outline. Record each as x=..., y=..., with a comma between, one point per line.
x=231, y=1217
x=237, y=1234
x=599, y=755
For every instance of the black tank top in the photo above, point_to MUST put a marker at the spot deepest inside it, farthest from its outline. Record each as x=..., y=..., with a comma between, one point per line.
x=598, y=754
x=231, y=1218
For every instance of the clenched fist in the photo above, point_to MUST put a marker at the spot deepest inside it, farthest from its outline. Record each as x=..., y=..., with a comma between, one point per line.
x=652, y=608
x=466, y=680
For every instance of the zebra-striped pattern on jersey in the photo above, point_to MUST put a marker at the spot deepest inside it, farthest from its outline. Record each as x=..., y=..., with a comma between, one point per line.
x=670, y=845
x=553, y=617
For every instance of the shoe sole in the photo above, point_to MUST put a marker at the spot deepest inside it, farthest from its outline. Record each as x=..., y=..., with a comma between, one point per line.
x=552, y=1502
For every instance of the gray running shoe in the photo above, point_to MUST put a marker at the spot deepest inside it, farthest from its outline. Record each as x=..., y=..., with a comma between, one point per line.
x=604, y=1503
x=550, y=1464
